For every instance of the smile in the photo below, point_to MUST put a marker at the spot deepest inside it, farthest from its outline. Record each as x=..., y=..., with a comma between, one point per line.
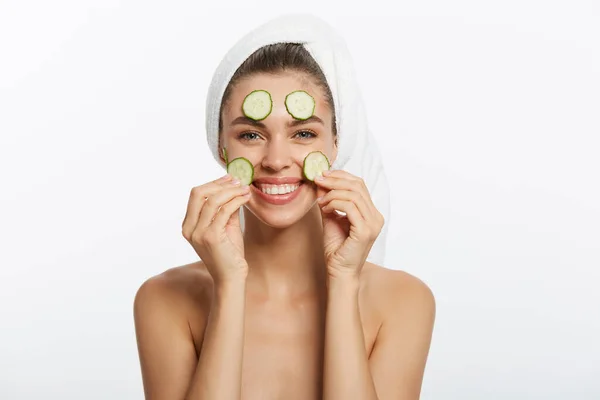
x=277, y=189
x=277, y=194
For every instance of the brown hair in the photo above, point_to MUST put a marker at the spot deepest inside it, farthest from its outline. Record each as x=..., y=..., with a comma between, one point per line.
x=279, y=57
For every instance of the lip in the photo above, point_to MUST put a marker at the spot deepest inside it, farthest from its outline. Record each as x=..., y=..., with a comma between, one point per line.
x=278, y=199
x=278, y=180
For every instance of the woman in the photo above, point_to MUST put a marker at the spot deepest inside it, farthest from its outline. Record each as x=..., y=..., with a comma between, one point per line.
x=287, y=307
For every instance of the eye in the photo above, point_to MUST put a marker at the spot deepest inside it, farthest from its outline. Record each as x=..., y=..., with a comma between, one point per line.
x=249, y=136
x=306, y=134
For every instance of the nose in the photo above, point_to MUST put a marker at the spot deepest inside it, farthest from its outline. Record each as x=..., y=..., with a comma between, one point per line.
x=277, y=154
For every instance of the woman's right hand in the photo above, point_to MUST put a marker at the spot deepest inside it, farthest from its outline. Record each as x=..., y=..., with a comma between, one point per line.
x=212, y=226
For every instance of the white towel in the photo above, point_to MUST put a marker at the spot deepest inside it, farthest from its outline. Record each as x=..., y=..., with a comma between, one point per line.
x=357, y=150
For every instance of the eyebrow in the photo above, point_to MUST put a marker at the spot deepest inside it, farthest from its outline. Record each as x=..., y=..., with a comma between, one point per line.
x=243, y=120
x=310, y=119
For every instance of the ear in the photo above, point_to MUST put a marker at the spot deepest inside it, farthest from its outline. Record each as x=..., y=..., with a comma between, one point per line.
x=222, y=154
x=222, y=150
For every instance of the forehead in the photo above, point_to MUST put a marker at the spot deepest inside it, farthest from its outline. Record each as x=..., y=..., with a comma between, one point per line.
x=279, y=86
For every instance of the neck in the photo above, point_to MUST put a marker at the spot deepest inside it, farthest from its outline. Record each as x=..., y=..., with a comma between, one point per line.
x=285, y=263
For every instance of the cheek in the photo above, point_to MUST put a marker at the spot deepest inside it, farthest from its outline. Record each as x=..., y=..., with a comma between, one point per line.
x=329, y=147
x=324, y=147
x=334, y=148
x=254, y=154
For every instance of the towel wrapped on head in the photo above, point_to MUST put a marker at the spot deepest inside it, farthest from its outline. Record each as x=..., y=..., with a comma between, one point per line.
x=357, y=150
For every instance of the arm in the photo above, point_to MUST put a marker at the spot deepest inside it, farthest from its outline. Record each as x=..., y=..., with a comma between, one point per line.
x=170, y=368
x=397, y=363
x=219, y=372
x=400, y=352
x=347, y=374
x=165, y=344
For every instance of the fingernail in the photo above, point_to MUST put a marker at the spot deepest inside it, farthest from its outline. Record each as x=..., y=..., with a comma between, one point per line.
x=246, y=188
x=235, y=182
x=320, y=199
x=326, y=172
x=319, y=178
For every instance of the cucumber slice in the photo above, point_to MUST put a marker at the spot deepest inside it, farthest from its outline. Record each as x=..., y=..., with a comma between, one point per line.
x=300, y=104
x=225, y=155
x=242, y=169
x=257, y=105
x=314, y=165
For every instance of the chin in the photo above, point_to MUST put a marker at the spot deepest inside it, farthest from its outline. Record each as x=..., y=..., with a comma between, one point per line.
x=286, y=213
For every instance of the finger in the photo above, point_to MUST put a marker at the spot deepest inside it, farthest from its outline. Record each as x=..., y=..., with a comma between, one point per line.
x=363, y=189
x=341, y=178
x=340, y=173
x=321, y=192
x=216, y=201
x=197, y=199
x=228, y=210
x=347, y=207
x=355, y=185
x=347, y=195
x=234, y=220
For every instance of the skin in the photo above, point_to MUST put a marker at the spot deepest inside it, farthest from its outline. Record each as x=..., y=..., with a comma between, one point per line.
x=291, y=310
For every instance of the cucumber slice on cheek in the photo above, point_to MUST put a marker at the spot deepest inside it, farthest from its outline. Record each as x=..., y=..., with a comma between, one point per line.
x=300, y=104
x=314, y=165
x=257, y=105
x=241, y=169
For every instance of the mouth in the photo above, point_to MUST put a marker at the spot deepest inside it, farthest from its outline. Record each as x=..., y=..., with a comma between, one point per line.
x=278, y=194
x=277, y=189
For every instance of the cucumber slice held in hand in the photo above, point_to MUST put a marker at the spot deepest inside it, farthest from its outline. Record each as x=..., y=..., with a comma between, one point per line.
x=257, y=105
x=300, y=104
x=314, y=165
x=240, y=168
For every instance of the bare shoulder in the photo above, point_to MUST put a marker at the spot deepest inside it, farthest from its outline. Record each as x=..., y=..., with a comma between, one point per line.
x=182, y=290
x=396, y=292
x=406, y=307
x=170, y=310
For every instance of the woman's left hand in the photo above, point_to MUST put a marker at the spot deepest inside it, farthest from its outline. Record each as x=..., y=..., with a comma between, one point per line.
x=347, y=238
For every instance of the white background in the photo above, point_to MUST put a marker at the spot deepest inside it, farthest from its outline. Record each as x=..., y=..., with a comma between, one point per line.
x=488, y=119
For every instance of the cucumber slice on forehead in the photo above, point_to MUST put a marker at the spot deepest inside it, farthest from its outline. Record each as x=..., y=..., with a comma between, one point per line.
x=300, y=104
x=314, y=165
x=242, y=169
x=257, y=105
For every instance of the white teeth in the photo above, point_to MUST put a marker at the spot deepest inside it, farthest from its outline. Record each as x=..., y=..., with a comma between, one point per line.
x=278, y=189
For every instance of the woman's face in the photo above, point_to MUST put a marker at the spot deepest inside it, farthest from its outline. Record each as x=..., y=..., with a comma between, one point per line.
x=277, y=145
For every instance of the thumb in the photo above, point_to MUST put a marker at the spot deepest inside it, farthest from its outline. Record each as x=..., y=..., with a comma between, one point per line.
x=234, y=220
x=321, y=192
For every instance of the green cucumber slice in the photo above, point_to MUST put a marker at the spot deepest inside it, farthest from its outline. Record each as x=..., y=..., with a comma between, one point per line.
x=314, y=165
x=257, y=105
x=225, y=155
x=300, y=104
x=242, y=169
